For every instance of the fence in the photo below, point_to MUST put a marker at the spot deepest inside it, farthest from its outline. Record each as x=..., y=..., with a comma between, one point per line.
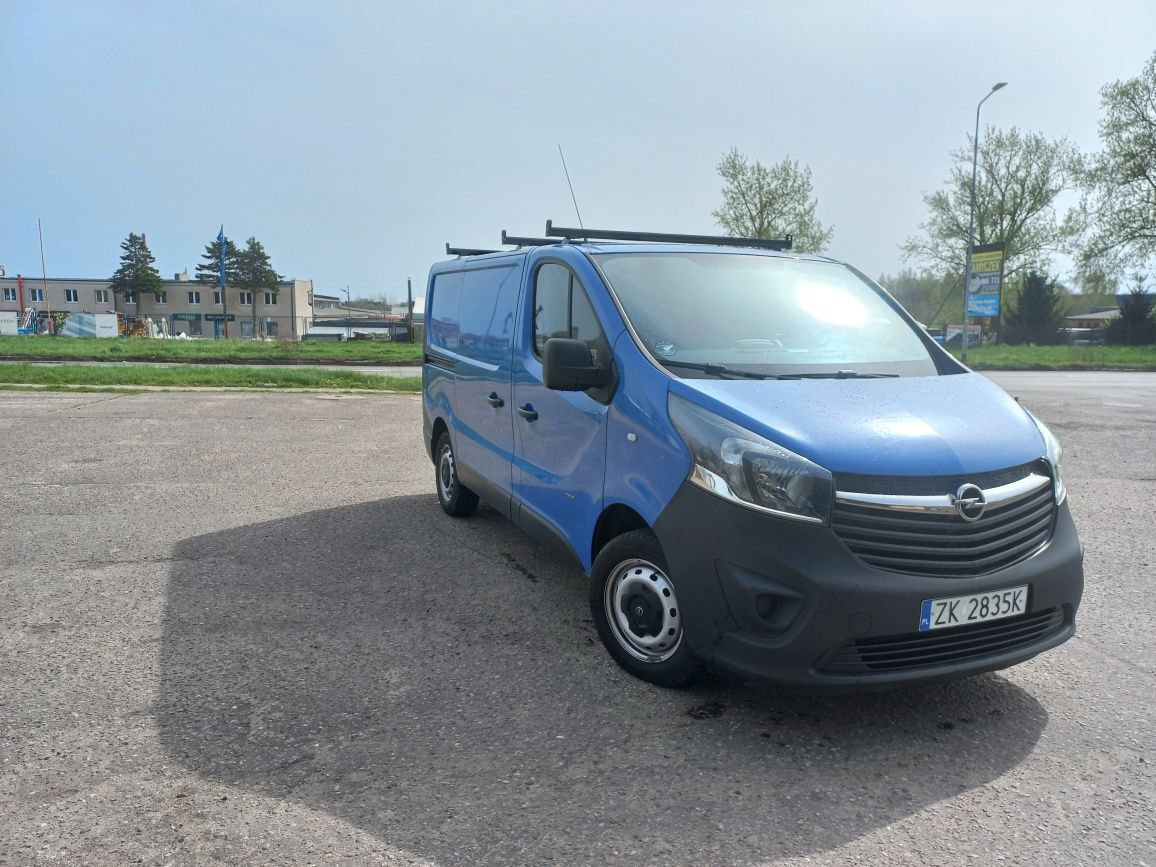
x=216, y=326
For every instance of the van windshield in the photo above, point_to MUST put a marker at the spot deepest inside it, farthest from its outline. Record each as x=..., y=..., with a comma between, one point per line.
x=733, y=313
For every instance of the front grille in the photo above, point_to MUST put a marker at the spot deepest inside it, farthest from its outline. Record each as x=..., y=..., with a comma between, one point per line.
x=942, y=647
x=945, y=545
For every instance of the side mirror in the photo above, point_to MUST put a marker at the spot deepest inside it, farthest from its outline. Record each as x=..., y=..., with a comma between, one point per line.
x=567, y=365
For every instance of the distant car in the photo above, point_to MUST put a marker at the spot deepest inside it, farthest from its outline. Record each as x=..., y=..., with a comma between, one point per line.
x=935, y=334
x=324, y=333
x=1083, y=336
x=759, y=459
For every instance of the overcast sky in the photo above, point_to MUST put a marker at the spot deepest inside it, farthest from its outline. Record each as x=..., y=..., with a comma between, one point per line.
x=355, y=139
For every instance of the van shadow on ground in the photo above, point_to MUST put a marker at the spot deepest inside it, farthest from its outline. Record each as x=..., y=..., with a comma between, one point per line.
x=438, y=684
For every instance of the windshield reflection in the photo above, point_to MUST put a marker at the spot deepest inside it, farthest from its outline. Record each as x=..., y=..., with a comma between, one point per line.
x=767, y=314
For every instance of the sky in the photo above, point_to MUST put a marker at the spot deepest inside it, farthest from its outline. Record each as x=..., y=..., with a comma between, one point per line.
x=354, y=139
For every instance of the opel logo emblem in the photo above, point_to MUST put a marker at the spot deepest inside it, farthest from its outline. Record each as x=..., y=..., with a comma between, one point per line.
x=970, y=502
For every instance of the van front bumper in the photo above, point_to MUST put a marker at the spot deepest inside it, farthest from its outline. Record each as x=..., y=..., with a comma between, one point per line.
x=770, y=599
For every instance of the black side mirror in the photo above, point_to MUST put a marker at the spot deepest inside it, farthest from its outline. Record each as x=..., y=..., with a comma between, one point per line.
x=567, y=365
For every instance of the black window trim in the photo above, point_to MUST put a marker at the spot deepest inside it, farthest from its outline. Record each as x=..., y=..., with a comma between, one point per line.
x=550, y=260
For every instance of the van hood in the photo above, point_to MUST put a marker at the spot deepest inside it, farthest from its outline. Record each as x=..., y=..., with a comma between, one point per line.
x=905, y=426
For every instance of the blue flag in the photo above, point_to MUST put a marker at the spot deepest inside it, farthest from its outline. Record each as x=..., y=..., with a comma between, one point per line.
x=221, y=243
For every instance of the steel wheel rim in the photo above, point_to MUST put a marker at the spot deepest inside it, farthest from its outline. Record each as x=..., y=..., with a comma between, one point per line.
x=642, y=610
x=446, y=473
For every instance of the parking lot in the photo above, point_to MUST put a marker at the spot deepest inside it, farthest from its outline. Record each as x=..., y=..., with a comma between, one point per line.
x=237, y=628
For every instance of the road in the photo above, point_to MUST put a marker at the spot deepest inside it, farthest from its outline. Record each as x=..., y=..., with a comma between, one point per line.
x=237, y=628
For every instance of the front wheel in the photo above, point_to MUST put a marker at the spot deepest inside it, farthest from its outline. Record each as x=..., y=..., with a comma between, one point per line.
x=455, y=498
x=636, y=611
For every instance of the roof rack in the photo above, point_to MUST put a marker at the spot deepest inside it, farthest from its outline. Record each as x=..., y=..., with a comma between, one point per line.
x=527, y=242
x=467, y=251
x=718, y=240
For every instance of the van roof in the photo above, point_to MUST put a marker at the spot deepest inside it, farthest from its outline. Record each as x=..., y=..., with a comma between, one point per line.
x=627, y=247
x=629, y=241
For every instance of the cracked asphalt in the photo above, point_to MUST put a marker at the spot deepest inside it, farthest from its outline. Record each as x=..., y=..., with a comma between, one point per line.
x=237, y=629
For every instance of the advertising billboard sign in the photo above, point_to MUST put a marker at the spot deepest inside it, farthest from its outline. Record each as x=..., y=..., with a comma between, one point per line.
x=984, y=290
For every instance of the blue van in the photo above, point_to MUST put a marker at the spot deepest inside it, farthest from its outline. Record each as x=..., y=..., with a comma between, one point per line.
x=761, y=461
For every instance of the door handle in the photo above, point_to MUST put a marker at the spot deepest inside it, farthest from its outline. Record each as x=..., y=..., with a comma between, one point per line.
x=494, y=400
x=528, y=412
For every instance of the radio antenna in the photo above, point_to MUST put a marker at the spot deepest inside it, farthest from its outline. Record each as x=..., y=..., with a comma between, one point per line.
x=573, y=198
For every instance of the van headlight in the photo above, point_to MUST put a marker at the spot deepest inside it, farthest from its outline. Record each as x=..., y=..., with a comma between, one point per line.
x=737, y=464
x=1055, y=455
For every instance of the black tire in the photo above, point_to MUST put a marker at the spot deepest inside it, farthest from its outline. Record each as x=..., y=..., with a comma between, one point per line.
x=635, y=611
x=455, y=498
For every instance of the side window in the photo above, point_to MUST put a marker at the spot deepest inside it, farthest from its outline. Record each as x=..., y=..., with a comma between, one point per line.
x=489, y=298
x=445, y=329
x=561, y=309
x=551, y=304
x=583, y=324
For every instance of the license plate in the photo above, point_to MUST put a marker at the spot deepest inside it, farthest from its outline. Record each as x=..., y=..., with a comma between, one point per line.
x=976, y=608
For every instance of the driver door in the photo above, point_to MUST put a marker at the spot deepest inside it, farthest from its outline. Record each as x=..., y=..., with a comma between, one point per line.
x=560, y=437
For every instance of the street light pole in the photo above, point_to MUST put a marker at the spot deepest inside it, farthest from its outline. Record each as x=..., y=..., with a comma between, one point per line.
x=348, y=321
x=971, y=219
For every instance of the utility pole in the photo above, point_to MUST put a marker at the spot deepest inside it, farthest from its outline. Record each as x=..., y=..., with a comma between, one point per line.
x=44, y=276
x=223, y=244
x=409, y=309
x=348, y=321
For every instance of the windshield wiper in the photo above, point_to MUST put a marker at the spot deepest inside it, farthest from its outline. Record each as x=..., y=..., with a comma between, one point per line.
x=724, y=372
x=715, y=369
x=837, y=374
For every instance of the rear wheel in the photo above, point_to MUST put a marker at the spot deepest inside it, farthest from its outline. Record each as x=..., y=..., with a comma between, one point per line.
x=635, y=609
x=455, y=498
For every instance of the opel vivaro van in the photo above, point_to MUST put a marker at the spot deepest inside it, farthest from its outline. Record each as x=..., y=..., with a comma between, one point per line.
x=761, y=461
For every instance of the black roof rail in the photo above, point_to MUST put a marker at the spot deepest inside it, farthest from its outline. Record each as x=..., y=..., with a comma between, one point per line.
x=467, y=251
x=718, y=240
x=527, y=242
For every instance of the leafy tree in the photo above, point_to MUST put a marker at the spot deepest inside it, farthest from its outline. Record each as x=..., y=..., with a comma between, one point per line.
x=1019, y=178
x=1122, y=178
x=1037, y=315
x=367, y=303
x=136, y=274
x=1096, y=281
x=209, y=269
x=929, y=297
x=255, y=274
x=762, y=202
x=1136, y=324
x=1079, y=303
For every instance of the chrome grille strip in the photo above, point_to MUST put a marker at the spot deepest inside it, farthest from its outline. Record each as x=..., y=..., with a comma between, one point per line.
x=943, y=504
x=875, y=525
x=937, y=542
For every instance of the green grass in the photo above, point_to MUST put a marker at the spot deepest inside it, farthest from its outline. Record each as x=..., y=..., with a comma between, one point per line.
x=193, y=351
x=1061, y=357
x=193, y=375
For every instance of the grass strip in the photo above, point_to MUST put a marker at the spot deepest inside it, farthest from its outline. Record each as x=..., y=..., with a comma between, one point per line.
x=193, y=375
x=193, y=351
x=998, y=357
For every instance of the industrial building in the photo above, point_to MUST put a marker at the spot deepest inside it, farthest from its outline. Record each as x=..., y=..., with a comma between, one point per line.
x=183, y=305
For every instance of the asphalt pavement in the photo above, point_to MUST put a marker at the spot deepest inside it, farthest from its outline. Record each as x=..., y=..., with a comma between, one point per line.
x=237, y=628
